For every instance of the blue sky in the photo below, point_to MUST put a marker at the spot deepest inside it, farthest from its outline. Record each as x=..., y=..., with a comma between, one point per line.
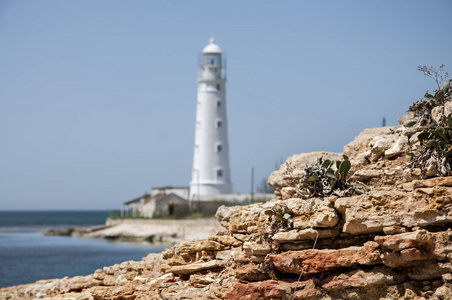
x=97, y=98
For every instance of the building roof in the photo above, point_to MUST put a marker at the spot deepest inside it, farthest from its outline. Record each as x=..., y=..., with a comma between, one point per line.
x=171, y=188
x=212, y=47
x=145, y=196
x=158, y=197
x=169, y=197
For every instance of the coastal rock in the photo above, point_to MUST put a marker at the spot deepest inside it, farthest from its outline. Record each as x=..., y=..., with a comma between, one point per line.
x=317, y=261
x=398, y=147
x=251, y=272
x=273, y=289
x=377, y=276
x=281, y=178
x=372, y=212
x=392, y=242
x=306, y=234
x=408, y=118
x=377, y=138
x=238, y=219
x=195, y=267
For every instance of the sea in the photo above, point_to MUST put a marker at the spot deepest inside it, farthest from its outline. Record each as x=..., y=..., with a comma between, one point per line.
x=26, y=255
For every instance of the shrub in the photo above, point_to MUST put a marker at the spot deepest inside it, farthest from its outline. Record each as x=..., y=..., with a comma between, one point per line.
x=322, y=180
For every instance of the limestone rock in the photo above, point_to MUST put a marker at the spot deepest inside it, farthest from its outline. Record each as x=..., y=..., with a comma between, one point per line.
x=405, y=119
x=429, y=270
x=400, y=145
x=317, y=261
x=392, y=242
x=360, y=278
x=251, y=272
x=238, y=219
x=306, y=234
x=312, y=212
x=279, y=179
x=376, y=210
x=272, y=289
x=195, y=267
x=377, y=138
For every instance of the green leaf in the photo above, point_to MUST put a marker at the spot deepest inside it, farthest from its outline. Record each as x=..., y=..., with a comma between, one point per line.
x=269, y=212
x=431, y=143
x=280, y=217
x=333, y=184
x=287, y=216
x=441, y=132
x=345, y=156
x=449, y=120
x=330, y=173
x=448, y=152
x=359, y=191
x=439, y=95
x=409, y=153
x=326, y=163
x=313, y=177
x=319, y=162
x=338, y=163
x=446, y=87
x=344, y=167
x=428, y=96
x=420, y=147
x=423, y=136
x=410, y=124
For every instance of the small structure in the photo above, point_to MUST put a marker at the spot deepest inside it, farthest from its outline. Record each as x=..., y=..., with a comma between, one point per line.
x=162, y=202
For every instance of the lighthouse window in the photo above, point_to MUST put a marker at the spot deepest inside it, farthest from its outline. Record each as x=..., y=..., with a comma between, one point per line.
x=218, y=87
x=219, y=173
x=219, y=148
x=212, y=61
x=218, y=103
x=218, y=123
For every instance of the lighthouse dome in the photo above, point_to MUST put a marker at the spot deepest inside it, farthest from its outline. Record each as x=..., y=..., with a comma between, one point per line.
x=212, y=47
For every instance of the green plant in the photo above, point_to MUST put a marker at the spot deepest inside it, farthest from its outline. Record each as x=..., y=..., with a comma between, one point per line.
x=434, y=73
x=114, y=215
x=434, y=155
x=322, y=180
x=435, y=149
x=279, y=218
x=423, y=108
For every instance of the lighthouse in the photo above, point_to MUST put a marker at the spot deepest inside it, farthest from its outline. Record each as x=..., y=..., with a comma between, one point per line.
x=211, y=173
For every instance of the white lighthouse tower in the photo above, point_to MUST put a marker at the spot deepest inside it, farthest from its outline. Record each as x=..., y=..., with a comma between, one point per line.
x=211, y=174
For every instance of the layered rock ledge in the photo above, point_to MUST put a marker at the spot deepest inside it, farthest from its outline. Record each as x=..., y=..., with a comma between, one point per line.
x=392, y=242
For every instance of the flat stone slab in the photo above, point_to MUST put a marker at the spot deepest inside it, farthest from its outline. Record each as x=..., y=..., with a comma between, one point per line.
x=195, y=267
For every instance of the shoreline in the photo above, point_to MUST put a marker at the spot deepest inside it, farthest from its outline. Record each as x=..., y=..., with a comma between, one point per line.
x=150, y=230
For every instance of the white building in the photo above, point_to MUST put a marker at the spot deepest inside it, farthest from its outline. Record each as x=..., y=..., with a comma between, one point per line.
x=163, y=201
x=211, y=174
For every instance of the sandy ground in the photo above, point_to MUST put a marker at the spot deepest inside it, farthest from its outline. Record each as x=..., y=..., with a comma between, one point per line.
x=160, y=229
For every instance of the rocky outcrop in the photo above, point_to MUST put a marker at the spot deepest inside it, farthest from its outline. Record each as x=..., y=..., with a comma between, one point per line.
x=282, y=180
x=392, y=242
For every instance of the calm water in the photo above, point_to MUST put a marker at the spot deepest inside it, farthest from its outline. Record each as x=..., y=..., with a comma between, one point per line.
x=27, y=256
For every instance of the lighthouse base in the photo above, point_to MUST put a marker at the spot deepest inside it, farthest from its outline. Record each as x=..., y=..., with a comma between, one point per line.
x=202, y=189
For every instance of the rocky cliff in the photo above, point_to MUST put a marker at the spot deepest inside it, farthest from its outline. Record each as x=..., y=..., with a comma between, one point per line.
x=394, y=241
